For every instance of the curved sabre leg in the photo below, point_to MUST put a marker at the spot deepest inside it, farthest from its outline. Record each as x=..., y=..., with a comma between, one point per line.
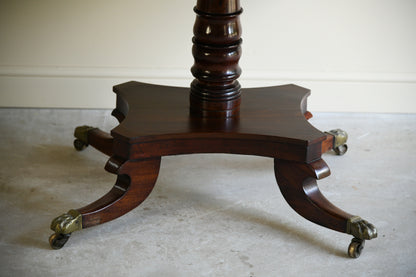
x=297, y=182
x=135, y=181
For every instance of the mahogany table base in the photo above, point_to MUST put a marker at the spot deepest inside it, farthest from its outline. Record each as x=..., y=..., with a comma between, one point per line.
x=156, y=121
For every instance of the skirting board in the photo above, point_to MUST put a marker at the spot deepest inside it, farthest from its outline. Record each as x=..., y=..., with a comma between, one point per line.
x=64, y=87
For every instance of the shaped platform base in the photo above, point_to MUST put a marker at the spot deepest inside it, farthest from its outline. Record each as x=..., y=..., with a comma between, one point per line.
x=155, y=121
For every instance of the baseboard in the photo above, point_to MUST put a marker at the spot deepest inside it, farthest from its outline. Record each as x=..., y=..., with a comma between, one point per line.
x=90, y=87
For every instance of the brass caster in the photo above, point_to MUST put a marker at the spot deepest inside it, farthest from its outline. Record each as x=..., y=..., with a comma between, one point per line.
x=79, y=145
x=57, y=241
x=340, y=139
x=361, y=228
x=81, y=135
x=63, y=226
x=67, y=223
x=355, y=248
x=341, y=150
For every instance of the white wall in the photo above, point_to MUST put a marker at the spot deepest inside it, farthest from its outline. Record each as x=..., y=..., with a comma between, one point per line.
x=355, y=55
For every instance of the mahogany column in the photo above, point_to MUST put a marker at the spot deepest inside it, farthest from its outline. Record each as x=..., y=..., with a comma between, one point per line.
x=217, y=49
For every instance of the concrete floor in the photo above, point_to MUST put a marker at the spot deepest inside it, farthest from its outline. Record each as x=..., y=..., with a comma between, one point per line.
x=209, y=215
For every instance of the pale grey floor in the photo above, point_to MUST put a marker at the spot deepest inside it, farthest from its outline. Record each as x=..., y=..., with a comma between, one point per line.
x=209, y=215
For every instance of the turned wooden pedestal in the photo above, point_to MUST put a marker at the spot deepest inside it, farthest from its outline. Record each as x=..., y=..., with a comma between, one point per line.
x=214, y=115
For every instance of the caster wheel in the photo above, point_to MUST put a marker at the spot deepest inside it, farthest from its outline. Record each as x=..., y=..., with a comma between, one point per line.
x=356, y=247
x=341, y=150
x=79, y=145
x=57, y=241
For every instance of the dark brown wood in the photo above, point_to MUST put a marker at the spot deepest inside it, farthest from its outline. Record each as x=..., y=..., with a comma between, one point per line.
x=328, y=143
x=101, y=141
x=218, y=6
x=215, y=92
x=210, y=117
x=297, y=182
x=135, y=182
x=308, y=115
x=271, y=123
x=154, y=122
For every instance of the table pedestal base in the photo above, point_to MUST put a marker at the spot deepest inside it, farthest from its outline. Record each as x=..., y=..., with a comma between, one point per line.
x=155, y=121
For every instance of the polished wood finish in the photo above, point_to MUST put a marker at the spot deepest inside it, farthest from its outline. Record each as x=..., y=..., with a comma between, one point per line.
x=158, y=121
x=135, y=181
x=215, y=92
x=271, y=123
x=297, y=182
x=155, y=122
x=218, y=6
x=328, y=143
x=101, y=141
